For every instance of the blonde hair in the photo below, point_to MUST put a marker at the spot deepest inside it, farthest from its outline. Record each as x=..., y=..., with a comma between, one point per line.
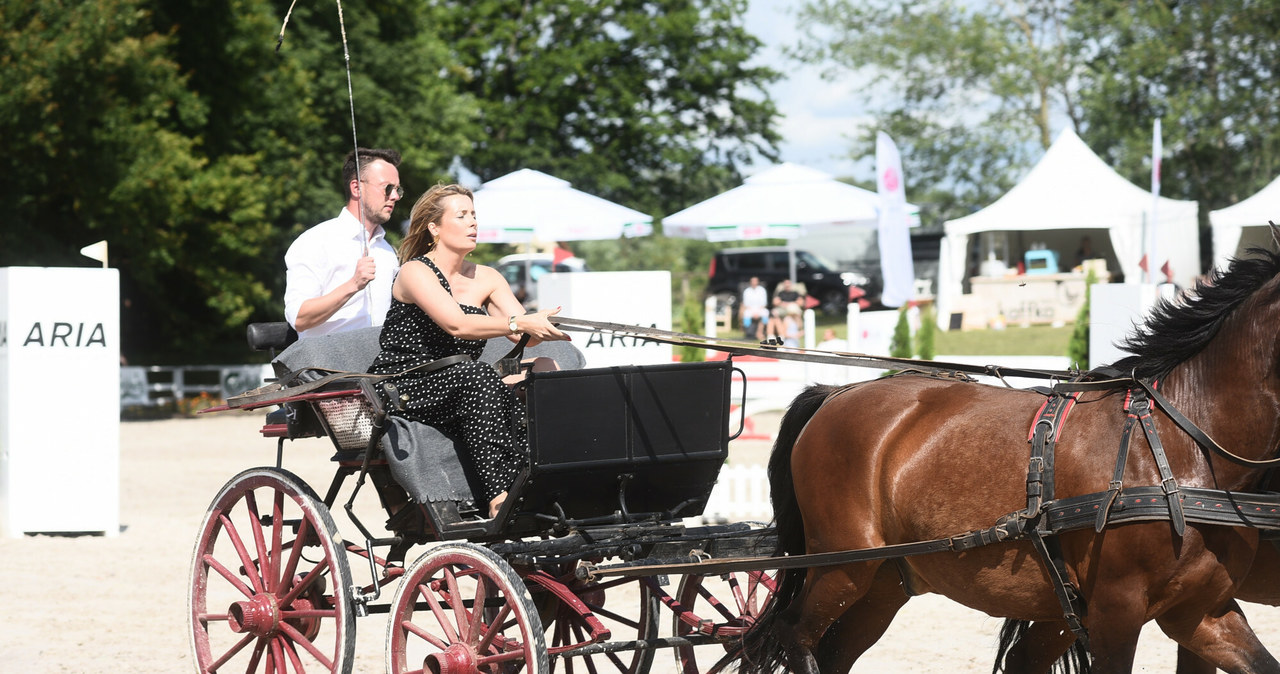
x=427, y=209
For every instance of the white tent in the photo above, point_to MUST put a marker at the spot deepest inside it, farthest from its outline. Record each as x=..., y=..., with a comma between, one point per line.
x=783, y=202
x=1236, y=228
x=529, y=204
x=1071, y=188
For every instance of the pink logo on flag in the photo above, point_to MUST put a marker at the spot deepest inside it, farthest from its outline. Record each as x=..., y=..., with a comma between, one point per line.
x=891, y=180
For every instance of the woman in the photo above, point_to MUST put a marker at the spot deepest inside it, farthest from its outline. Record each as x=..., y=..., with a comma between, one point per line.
x=443, y=304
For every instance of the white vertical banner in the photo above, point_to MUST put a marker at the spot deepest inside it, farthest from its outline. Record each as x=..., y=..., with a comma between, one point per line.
x=1153, y=260
x=895, y=239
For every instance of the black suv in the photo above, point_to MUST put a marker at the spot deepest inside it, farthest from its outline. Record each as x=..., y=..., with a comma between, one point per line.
x=732, y=269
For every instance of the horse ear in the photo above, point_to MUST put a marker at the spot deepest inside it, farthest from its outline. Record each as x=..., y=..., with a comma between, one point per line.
x=1275, y=234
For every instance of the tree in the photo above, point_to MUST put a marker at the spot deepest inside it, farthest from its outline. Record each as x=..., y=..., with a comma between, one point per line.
x=176, y=131
x=1205, y=69
x=650, y=103
x=103, y=143
x=171, y=130
x=969, y=92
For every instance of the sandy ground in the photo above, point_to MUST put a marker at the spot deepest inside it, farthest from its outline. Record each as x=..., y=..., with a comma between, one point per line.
x=118, y=603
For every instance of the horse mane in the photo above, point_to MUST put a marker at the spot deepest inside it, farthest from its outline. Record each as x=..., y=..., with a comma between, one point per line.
x=1177, y=330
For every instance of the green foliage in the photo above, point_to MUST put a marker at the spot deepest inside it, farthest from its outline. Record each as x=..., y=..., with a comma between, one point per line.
x=1078, y=347
x=1035, y=340
x=177, y=132
x=969, y=89
x=1206, y=70
x=900, y=344
x=650, y=103
x=692, y=317
x=927, y=335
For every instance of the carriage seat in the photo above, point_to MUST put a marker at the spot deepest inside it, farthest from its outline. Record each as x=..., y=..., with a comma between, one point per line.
x=423, y=459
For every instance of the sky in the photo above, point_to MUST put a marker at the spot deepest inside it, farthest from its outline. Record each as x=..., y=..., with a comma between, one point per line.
x=818, y=116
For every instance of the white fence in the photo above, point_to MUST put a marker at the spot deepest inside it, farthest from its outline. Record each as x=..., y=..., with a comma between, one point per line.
x=741, y=493
x=157, y=384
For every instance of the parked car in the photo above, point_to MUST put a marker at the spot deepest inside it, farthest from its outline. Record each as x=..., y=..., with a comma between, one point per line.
x=832, y=288
x=520, y=268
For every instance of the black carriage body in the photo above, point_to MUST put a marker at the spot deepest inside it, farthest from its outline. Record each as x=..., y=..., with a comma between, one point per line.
x=607, y=445
x=623, y=444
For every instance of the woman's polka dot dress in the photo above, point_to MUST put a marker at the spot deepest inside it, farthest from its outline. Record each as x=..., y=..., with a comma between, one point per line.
x=467, y=399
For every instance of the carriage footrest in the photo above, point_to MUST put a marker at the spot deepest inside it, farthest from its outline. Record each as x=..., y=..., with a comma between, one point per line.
x=275, y=431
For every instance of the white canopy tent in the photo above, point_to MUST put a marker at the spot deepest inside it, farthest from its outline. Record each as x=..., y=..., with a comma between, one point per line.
x=1071, y=188
x=1236, y=228
x=783, y=202
x=527, y=204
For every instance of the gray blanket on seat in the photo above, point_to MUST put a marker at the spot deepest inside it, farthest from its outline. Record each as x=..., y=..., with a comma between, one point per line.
x=423, y=459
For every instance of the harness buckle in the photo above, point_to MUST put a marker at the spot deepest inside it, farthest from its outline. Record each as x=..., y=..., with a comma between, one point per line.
x=1169, y=485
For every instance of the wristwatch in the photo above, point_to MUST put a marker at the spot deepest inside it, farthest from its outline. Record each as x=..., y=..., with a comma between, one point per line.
x=511, y=323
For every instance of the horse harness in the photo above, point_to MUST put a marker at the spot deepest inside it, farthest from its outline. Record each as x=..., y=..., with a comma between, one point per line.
x=1045, y=517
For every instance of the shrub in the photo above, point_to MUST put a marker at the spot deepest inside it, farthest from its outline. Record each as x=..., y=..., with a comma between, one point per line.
x=691, y=322
x=1078, y=347
x=928, y=333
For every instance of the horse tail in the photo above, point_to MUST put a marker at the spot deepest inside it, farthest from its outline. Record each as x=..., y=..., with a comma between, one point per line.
x=1074, y=661
x=760, y=651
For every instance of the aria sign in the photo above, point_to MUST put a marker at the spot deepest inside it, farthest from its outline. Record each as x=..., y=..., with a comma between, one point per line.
x=59, y=341
x=59, y=333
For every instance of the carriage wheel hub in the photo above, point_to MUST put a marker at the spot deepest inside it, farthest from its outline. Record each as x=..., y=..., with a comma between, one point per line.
x=259, y=616
x=456, y=659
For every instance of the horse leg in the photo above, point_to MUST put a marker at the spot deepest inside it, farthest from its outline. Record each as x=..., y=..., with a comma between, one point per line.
x=863, y=624
x=1036, y=649
x=1190, y=663
x=1223, y=639
x=828, y=592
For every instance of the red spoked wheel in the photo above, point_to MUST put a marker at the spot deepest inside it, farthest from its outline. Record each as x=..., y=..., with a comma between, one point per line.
x=461, y=609
x=598, y=605
x=724, y=607
x=270, y=586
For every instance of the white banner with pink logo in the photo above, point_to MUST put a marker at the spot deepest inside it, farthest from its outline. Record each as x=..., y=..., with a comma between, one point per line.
x=895, y=239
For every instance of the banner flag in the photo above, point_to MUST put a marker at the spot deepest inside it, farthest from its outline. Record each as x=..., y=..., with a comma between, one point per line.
x=1152, y=227
x=96, y=251
x=895, y=238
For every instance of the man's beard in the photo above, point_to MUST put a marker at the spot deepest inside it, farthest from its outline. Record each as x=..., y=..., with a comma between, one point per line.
x=376, y=217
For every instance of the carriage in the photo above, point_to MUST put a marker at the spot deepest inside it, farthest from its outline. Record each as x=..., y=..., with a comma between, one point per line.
x=910, y=484
x=622, y=461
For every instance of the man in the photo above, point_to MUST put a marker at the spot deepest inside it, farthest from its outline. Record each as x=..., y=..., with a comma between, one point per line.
x=340, y=271
x=755, y=309
x=787, y=295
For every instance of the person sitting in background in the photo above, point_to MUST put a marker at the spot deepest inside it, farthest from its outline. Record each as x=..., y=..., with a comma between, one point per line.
x=792, y=327
x=1085, y=251
x=339, y=273
x=787, y=295
x=754, y=311
x=443, y=305
x=773, y=328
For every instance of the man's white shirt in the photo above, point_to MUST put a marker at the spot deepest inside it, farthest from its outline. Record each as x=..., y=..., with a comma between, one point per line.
x=755, y=302
x=323, y=258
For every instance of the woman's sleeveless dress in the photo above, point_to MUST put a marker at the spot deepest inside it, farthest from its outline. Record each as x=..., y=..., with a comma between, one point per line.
x=466, y=399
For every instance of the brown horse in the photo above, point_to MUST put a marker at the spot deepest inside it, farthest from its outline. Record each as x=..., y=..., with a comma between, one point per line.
x=1028, y=647
x=915, y=458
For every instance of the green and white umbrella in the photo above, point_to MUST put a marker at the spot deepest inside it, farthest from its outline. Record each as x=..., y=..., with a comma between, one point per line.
x=526, y=205
x=784, y=202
